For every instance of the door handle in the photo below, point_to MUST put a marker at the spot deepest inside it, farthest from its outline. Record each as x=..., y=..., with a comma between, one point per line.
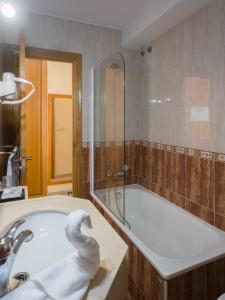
x=23, y=159
x=23, y=162
x=28, y=158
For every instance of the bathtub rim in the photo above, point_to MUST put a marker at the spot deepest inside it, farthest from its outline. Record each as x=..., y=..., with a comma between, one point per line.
x=166, y=268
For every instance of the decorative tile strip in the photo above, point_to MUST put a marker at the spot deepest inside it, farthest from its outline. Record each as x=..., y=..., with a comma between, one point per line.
x=110, y=143
x=221, y=157
x=160, y=146
x=187, y=151
x=180, y=150
x=118, y=143
x=152, y=145
x=206, y=154
x=85, y=145
x=191, y=152
x=97, y=145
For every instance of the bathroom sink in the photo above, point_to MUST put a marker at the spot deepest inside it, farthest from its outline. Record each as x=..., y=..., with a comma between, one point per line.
x=48, y=245
x=45, y=216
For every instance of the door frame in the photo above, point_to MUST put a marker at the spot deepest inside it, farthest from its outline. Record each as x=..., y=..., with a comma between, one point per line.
x=76, y=60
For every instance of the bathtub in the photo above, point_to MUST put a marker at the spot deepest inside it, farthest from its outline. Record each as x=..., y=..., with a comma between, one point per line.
x=173, y=240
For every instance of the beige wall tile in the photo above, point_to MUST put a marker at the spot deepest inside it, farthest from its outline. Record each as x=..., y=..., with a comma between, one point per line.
x=187, y=65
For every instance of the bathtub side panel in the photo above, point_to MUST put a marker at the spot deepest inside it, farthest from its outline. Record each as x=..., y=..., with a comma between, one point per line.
x=204, y=283
x=149, y=281
x=189, y=286
x=215, y=279
x=144, y=282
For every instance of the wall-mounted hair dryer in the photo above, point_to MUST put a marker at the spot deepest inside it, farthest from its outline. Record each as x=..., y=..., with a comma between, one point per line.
x=8, y=89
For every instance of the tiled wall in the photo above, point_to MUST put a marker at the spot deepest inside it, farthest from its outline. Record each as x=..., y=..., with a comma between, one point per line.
x=112, y=156
x=183, y=90
x=180, y=108
x=190, y=178
x=179, y=100
x=134, y=92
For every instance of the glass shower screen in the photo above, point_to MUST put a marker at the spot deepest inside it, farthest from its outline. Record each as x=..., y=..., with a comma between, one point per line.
x=109, y=166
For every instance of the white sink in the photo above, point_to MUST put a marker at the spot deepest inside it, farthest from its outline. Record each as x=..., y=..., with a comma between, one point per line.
x=48, y=245
x=45, y=216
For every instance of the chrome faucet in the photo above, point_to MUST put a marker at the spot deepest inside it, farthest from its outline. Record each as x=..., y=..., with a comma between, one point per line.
x=117, y=173
x=9, y=246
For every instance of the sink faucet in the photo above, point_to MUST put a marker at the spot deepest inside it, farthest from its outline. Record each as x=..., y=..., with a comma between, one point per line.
x=9, y=246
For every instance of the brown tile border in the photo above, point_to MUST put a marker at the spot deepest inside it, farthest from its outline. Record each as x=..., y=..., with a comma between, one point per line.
x=178, y=184
x=200, y=181
x=177, y=199
x=197, y=179
x=179, y=149
x=220, y=187
x=220, y=221
x=200, y=211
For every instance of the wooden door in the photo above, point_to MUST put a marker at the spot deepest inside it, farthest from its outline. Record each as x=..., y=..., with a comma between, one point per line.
x=35, y=135
x=35, y=70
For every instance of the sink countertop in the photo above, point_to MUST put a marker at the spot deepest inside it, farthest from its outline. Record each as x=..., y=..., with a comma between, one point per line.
x=111, y=280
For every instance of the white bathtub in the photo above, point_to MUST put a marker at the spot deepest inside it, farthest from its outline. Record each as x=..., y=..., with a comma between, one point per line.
x=173, y=240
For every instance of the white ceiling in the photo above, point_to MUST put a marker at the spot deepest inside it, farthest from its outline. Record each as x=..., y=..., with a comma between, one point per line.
x=108, y=13
x=139, y=20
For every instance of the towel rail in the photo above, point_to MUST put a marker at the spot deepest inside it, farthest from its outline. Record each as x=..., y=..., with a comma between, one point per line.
x=7, y=152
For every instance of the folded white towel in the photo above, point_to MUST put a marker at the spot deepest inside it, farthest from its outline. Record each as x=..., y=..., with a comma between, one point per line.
x=9, y=164
x=68, y=279
x=87, y=247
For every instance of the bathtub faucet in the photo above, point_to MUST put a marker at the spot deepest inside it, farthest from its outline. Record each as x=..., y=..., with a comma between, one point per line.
x=9, y=246
x=117, y=173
